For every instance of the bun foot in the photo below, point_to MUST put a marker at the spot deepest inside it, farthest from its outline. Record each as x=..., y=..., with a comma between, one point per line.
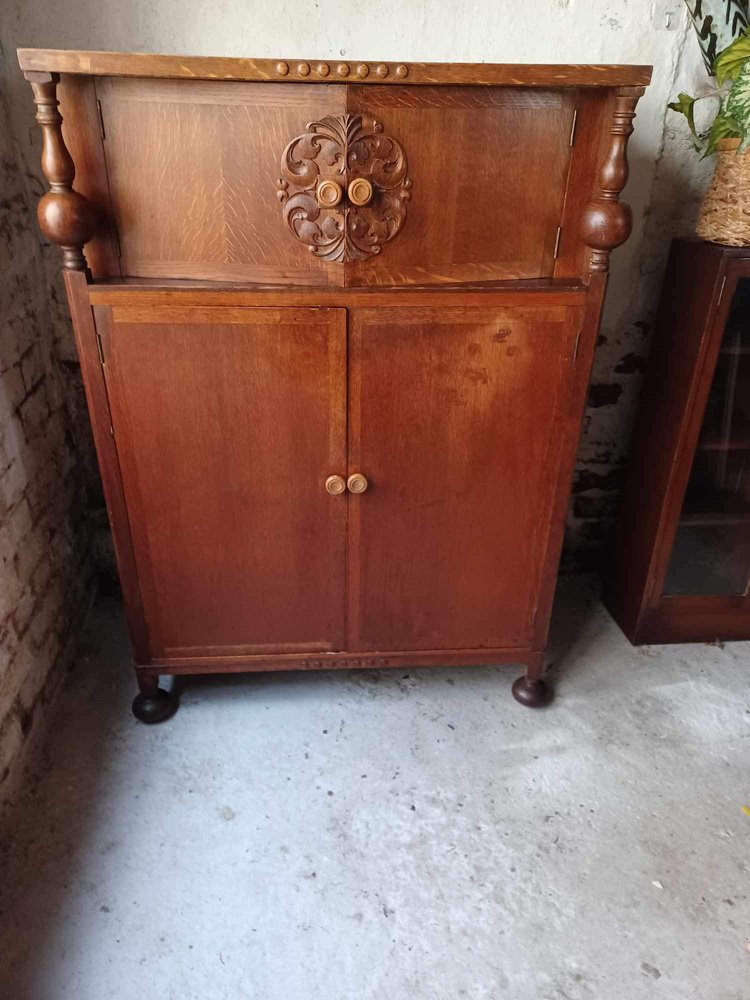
x=155, y=707
x=532, y=694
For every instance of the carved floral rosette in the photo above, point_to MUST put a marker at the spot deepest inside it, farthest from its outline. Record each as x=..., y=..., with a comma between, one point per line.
x=342, y=148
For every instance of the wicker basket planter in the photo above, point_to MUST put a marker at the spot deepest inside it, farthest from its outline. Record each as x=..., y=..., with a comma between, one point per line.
x=725, y=213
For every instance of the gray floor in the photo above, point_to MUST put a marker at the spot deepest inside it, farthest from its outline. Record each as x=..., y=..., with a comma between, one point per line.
x=402, y=835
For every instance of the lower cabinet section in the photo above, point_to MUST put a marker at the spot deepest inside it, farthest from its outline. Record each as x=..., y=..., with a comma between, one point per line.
x=444, y=426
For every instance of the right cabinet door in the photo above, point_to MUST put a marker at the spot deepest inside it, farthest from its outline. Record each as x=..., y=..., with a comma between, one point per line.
x=455, y=418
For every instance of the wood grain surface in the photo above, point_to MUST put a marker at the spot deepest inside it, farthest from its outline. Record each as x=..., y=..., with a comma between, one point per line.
x=141, y=64
x=454, y=423
x=226, y=430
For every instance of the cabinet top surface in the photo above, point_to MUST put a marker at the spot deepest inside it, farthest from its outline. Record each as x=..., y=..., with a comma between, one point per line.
x=140, y=64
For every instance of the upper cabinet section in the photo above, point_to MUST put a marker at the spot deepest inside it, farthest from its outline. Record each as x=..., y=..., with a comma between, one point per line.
x=359, y=174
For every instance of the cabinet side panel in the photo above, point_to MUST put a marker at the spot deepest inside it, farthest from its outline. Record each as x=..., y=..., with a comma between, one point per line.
x=83, y=137
x=567, y=435
x=96, y=398
x=591, y=139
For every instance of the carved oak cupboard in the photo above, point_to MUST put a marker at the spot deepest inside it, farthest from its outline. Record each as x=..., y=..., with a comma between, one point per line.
x=336, y=323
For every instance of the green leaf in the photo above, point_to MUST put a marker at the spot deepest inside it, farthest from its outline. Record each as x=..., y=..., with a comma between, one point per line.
x=685, y=105
x=729, y=62
x=724, y=127
x=737, y=101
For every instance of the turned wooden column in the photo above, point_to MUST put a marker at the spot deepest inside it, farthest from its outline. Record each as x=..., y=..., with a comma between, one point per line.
x=65, y=216
x=607, y=221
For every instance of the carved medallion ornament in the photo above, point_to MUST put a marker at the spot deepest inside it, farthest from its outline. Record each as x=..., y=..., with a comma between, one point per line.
x=343, y=187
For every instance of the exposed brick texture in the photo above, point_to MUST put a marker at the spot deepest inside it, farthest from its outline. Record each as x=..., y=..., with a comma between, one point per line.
x=46, y=569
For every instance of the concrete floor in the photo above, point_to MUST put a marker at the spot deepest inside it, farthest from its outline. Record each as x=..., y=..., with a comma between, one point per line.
x=404, y=835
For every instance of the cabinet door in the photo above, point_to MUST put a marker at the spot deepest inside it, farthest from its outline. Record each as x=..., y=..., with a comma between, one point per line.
x=456, y=419
x=193, y=168
x=227, y=421
x=487, y=168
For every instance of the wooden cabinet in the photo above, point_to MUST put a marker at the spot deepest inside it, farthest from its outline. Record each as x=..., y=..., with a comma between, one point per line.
x=681, y=568
x=336, y=323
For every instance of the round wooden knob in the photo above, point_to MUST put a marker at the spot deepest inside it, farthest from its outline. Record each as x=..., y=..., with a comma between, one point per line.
x=357, y=483
x=335, y=485
x=329, y=194
x=360, y=191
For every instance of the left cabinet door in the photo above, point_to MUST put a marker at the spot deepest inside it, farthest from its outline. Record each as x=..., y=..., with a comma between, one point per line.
x=227, y=422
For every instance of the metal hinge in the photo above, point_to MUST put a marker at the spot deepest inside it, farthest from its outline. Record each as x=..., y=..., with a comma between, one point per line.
x=101, y=119
x=557, y=242
x=575, y=348
x=721, y=290
x=573, y=127
x=100, y=348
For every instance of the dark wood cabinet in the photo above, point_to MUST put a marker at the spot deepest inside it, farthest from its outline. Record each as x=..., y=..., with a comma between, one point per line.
x=336, y=323
x=681, y=568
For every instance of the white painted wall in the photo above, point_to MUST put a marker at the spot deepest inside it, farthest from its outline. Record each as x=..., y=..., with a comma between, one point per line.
x=666, y=181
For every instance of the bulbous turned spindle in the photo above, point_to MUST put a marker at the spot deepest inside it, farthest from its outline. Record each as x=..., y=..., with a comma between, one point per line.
x=606, y=221
x=65, y=216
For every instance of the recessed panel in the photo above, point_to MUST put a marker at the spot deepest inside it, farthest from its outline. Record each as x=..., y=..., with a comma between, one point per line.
x=488, y=169
x=194, y=170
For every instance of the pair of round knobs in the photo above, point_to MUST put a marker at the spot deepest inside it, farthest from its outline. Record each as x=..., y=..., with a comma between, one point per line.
x=330, y=192
x=356, y=483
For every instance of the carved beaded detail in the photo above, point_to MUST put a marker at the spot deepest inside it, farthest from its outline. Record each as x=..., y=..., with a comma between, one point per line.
x=65, y=216
x=346, y=149
x=351, y=663
x=343, y=69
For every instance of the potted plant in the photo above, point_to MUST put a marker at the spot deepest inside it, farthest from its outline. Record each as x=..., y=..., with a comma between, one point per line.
x=724, y=35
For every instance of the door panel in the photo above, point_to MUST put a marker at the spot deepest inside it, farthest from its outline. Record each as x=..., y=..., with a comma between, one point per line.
x=454, y=417
x=193, y=167
x=488, y=169
x=227, y=422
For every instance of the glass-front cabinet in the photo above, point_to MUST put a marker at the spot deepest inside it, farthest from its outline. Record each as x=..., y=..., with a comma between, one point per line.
x=711, y=551
x=681, y=570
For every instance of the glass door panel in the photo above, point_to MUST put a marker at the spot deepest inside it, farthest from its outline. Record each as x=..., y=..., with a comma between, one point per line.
x=711, y=552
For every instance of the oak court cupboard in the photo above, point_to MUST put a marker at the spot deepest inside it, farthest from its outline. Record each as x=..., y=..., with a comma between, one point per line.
x=336, y=322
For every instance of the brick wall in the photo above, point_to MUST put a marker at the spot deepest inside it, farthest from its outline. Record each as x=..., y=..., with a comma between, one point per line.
x=46, y=572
